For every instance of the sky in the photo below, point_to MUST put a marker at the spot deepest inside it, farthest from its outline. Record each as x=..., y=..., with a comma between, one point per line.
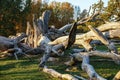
x=84, y=4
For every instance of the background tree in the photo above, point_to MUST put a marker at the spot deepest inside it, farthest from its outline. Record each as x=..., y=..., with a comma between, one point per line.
x=12, y=16
x=62, y=13
x=112, y=11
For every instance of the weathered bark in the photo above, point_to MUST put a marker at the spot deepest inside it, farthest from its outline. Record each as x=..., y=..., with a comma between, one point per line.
x=109, y=26
x=58, y=75
x=38, y=29
x=113, y=56
x=13, y=45
x=117, y=76
x=30, y=32
x=7, y=43
x=49, y=48
x=45, y=19
x=84, y=57
x=84, y=39
x=89, y=68
x=112, y=33
x=62, y=31
x=72, y=36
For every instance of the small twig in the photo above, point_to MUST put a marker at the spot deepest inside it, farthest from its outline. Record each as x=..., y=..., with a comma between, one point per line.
x=100, y=60
x=79, y=77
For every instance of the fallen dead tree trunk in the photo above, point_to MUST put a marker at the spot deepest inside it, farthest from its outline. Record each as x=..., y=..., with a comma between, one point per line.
x=84, y=57
x=58, y=75
x=117, y=76
x=86, y=38
x=42, y=33
x=7, y=43
x=115, y=57
x=50, y=48
x=109, y=26
x=112, y=34
x=13, y=45
x=89, y=69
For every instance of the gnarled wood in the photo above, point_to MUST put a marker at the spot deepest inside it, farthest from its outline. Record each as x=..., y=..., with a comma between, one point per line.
x=117, y=76
x=58, y=75
x=109, y=26
x=84, y=57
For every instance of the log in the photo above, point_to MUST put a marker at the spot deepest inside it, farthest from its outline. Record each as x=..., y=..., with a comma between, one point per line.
x=7, y=43
x=78, y=50
x=117, y=76
x=16, y=49
x=58, y=75
x=84, y=57
x=49, y=48
x=109, y=26
x=113, y=56
x=14, y=45
x=89, y=69
x=85, y=38
x=104, y=40
x=64, y=28
x=113, y=33
x=62, y=31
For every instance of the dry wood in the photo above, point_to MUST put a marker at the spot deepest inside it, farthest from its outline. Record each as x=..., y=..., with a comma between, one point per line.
x=89, y=68
x=113, y=33
x=84, y=57
x=49, y=48
x=109, y=26
x=29, y=31
x=58, y=75
x=84, y=39
x=117, y=76
x=79, y=77
x=7, y=43
x=113, y=56
x=12, y=45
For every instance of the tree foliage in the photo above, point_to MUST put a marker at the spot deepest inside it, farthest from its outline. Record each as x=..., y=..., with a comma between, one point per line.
x=112, y=11
x=62, y=13
x=14, y=14
x=109, y=13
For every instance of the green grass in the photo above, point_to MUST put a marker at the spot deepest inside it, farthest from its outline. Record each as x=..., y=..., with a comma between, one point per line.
x=23, y=69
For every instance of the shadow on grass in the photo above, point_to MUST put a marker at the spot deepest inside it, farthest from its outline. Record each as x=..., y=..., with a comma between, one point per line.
x=13, y=63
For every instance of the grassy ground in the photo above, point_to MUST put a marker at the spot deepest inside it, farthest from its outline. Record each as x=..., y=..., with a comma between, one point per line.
x=23, y=69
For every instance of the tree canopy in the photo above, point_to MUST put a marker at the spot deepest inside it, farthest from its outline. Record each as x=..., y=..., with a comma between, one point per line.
x=14, y=14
